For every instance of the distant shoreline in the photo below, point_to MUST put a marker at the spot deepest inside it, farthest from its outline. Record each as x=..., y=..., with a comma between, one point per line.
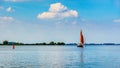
x=5, y=42
x=54, y=44
x=29, y=44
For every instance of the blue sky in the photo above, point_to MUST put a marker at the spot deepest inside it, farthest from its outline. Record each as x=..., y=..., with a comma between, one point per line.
x=31, y=21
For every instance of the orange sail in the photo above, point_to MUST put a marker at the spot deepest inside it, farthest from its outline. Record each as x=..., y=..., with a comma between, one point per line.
x=81, y=37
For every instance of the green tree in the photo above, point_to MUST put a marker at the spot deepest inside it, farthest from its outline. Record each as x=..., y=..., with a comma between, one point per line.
x=36, y=43
x=5, y=42
x=43, y=43
x=52, y=43
x=60, y=43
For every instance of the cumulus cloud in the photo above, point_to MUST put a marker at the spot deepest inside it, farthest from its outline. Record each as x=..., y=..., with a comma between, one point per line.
x=57, y=10
x=6, y=19
x=57, y=7
x=116, y=20
x=9, y=9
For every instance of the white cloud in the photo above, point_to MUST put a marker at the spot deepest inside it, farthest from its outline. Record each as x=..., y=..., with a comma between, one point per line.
x=9, y=9
x=57, y=10
x=6, y=19
x=57, y=7
x=116, y=20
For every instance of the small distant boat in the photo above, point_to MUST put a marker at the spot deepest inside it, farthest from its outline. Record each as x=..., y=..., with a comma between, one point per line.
x=81, y=44
x=13, y=47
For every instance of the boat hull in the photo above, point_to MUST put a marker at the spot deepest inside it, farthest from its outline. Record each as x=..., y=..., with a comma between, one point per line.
x=80, y=45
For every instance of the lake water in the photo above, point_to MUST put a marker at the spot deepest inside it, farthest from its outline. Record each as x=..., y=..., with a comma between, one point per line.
x=60, y=57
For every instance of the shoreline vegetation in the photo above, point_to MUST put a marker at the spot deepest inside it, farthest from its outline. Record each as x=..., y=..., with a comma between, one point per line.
x=5, y=42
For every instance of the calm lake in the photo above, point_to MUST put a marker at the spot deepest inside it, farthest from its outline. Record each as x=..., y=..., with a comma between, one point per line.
x=101, y=56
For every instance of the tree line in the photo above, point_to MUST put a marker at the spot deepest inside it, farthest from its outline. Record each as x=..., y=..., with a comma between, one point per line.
x=5, y=42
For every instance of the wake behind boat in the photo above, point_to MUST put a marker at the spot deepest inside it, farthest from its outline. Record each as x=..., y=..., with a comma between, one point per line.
x=81, y=44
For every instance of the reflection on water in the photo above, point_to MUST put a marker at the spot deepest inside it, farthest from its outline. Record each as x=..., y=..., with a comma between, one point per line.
x=60, y=57
x=81, y=57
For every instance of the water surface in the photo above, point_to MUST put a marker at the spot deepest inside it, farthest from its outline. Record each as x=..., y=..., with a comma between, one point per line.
x=60, y=57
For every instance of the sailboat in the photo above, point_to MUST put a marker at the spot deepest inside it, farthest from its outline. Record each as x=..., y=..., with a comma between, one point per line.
x=81, y=44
